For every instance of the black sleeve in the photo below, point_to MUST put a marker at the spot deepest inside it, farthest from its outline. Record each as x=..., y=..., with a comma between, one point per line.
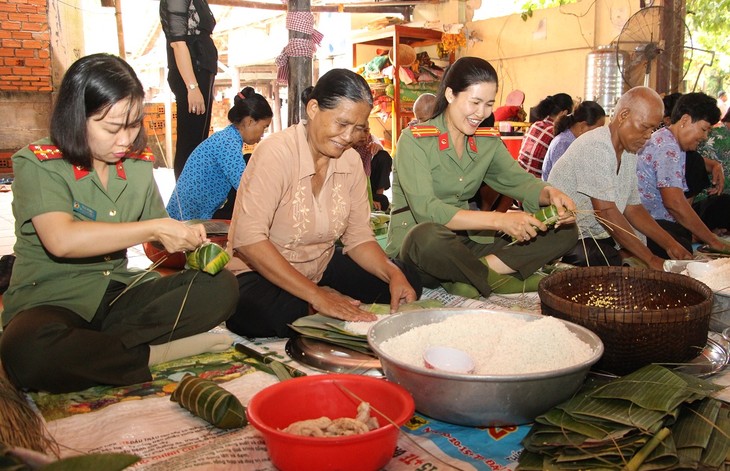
x=174, y=18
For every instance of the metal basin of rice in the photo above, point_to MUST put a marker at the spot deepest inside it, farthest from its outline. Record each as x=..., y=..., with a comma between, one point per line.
x=473, y=399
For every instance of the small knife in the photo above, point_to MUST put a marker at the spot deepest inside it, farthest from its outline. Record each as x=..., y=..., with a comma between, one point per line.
x=267, y=359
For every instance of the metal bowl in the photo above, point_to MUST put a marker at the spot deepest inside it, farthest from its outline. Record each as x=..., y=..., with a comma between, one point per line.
x=479, y=400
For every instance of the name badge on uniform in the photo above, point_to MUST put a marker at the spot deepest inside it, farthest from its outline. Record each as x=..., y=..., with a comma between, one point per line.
x=84, y=210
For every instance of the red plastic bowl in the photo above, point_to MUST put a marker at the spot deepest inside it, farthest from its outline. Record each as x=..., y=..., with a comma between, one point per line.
x=311, y=397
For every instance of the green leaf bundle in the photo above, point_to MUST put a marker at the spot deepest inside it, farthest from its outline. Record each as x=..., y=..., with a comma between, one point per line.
x=652, y=419
x=210, y=402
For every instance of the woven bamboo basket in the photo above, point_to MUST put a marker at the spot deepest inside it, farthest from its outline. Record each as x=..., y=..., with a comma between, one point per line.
x=642, y=316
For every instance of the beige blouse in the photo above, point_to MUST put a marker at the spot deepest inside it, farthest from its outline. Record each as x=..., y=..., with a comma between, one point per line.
x=275, y=202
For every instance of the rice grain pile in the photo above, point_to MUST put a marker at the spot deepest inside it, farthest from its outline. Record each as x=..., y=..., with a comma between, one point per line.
x=718, y=277
x=361, y=328
x=498, y=343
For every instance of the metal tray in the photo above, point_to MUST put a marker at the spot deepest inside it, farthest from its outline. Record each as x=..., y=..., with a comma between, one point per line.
x=714, y=357
x=327, y=357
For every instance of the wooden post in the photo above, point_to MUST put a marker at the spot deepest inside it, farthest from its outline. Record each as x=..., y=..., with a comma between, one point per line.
x=670, y=69
x=276, y=106
x=120, y=28
x=300, y=69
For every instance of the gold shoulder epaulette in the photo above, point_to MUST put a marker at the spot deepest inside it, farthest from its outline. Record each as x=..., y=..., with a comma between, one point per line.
x=487, y=132
x=46, y=152
x=145, y=155
x=421, y=130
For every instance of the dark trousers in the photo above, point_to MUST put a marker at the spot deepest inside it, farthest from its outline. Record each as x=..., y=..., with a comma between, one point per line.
x=53, y=349
x=381, y=167
x=714, y=211
x=265, y=309
x=590, y=252
x=442, y=255
x=676, y=230
x=192, y=129
x=226, y=211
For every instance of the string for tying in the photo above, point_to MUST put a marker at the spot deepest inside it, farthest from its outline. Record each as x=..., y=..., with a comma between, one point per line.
x=177, y=319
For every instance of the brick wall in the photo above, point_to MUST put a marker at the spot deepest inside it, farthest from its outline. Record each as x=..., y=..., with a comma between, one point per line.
x=25, y=75
x=25, y=55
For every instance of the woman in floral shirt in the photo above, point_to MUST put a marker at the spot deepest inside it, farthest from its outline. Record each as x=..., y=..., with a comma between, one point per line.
x=717, y=147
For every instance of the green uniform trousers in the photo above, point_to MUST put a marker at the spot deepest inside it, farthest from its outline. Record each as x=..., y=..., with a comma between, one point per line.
x=442, y=255
x=53, y=349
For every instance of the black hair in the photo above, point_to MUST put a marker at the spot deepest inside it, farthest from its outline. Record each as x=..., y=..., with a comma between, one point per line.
x=462, y=74
x=335, y=85
x=248, y=103
x=92, y=85
x=588, y=112
x=487, y=122
x=698, y=106
x=669, y=102
x=553, y=104
x=726, y=118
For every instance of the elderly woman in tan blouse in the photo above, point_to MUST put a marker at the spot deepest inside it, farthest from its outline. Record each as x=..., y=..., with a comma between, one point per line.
x=305, y=189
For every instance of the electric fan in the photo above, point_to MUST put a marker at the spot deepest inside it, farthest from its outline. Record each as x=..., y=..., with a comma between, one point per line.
x=654, y=42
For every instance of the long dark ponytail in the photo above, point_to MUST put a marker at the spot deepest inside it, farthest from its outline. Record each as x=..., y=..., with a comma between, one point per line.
x=588, y=111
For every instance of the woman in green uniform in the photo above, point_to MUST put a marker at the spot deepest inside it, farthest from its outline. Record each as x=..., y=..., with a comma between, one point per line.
x=439, y=165
x=75, y=315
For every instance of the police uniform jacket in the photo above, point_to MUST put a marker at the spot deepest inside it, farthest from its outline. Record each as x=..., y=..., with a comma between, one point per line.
x=44, y=182
x=431, y=184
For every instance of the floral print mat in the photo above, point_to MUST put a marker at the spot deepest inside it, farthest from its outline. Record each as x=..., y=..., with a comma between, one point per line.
x=219, y=367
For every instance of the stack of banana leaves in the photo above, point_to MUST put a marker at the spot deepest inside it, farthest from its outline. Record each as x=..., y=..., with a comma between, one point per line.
x=335, y=331
x=379, y=222
x=652, y=419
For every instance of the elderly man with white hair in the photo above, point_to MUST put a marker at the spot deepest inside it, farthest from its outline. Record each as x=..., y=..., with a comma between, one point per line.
x=598, y=171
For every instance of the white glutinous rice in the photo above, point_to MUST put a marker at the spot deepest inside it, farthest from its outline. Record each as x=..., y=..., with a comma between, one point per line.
x=718, y=276
x=361, y=328
x=498, y=343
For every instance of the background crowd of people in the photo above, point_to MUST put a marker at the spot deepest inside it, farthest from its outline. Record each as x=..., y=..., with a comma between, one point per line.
x=648, y=186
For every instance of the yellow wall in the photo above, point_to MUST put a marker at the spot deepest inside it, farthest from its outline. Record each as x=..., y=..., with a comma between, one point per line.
x=547, y=53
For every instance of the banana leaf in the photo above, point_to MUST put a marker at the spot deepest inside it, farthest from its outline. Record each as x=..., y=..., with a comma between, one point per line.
x=700, y=387
x=529, y=461
x=606, y=427
x=542, y=440
x=328, y=335
x=616, y=410
x=93, y=462
x=695, y=423
x=319, y=321
x=562, y=420
x=716, y=451
x=652, y=387
x=689, y=457
x=333, y=338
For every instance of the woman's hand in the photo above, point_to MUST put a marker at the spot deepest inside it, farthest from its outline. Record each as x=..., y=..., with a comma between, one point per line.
x=177, y=236
x=401, y=292
x=676, y=251
x=520, y=225
x=566, y=206
x=717, y=177
x=719, y=245
x=196, y=103
x=331, y=303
